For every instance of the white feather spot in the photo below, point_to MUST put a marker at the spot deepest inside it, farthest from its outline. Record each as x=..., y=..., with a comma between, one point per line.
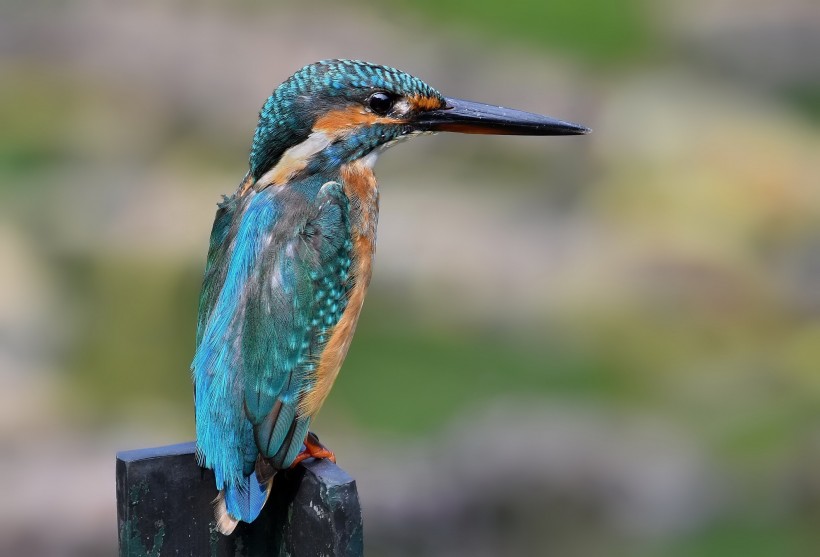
x=370, y=159
x=297, y=157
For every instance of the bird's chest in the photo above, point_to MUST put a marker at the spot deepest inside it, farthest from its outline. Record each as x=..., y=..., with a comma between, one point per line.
x=360, y=188
x=363, y=194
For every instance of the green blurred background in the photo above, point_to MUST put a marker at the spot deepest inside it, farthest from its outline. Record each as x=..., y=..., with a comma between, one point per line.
x=605, y=345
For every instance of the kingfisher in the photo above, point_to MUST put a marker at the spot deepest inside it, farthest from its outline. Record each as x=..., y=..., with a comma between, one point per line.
x=290, y=259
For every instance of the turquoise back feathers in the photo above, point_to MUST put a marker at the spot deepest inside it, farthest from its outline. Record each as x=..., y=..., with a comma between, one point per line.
x=276, y=283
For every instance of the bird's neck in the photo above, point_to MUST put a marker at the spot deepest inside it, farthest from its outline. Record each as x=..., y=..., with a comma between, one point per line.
x=295, y=161
x=356, y=177
x=361, y=189
x=324, y=152
x=333, y=155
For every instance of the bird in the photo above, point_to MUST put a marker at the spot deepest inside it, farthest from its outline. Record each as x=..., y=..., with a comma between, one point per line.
x=290, y=258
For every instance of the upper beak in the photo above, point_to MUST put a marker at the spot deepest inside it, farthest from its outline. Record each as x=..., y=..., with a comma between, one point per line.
x=472, y=117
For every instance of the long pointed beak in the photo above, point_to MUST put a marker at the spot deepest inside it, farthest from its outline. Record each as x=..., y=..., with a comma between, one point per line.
x=472, y=117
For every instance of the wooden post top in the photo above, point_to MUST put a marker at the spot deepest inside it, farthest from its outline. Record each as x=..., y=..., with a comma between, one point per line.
x=165, y=507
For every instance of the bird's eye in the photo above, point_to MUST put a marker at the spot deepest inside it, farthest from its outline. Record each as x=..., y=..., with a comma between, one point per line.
x=380, y=102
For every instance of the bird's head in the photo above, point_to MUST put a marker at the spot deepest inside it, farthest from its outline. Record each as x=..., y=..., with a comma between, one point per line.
x=337, y=111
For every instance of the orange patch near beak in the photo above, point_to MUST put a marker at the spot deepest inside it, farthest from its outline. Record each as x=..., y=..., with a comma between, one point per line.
x=421, y=103
x=337, y=121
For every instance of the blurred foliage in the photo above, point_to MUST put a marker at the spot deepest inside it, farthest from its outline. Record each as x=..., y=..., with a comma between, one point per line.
x=807, y=99
x=29, y=116
x=683, y=288
x=425, y=375
x=599, y=31
x=117, y=359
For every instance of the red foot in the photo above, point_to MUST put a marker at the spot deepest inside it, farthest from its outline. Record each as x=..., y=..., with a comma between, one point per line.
x=313, y=449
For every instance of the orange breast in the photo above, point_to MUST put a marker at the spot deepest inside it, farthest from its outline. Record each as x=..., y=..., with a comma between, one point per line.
x=360, y=187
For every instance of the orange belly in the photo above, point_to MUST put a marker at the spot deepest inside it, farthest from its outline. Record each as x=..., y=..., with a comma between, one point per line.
x=360, y=188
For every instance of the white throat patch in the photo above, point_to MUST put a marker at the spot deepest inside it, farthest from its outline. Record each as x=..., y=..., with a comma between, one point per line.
x=294, y=159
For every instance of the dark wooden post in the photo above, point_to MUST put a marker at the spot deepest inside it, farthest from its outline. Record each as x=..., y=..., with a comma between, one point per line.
x=164, y=507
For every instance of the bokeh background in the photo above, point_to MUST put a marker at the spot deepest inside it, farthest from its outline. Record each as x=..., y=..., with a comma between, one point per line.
x=605, y=345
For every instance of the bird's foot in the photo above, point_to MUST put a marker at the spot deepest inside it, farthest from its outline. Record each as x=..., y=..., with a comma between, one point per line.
x=313, y=449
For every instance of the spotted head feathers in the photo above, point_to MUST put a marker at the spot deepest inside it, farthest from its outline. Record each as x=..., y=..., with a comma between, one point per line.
x=356, y=106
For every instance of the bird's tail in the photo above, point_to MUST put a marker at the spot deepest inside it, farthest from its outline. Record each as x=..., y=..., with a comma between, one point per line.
x=241, y=502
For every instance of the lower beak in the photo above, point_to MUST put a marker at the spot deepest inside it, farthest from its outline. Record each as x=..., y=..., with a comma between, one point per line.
x=472, y=117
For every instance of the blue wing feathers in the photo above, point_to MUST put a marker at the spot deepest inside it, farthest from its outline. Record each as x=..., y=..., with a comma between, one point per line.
x=291, y=443
x=276, y=283
x=221, y=426
x=214, y=266
x=246, y=499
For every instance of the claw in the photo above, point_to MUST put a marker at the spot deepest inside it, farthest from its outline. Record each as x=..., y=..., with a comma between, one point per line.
x=313, y=449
